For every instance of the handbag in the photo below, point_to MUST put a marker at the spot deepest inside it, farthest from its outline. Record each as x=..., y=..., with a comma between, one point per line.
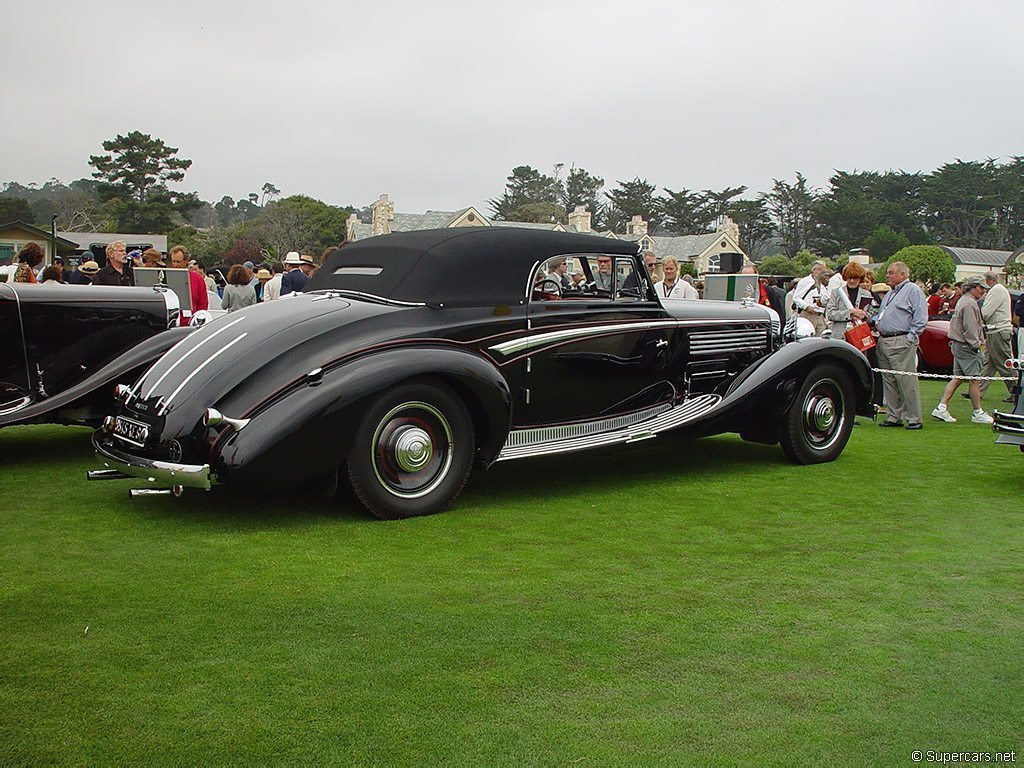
x=860, y=336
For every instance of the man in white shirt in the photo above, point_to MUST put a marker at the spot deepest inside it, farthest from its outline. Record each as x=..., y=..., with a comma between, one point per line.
x=809, y=298
x=272, y=290
x=995, y=312
x=671, y=287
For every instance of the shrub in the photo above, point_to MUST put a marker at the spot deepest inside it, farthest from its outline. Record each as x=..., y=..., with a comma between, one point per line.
x=928, y=263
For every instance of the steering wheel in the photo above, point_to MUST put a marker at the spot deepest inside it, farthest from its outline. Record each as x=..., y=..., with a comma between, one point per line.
x=549, y=286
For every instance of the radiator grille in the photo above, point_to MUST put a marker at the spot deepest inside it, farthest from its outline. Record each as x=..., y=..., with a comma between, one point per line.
x=739, y=340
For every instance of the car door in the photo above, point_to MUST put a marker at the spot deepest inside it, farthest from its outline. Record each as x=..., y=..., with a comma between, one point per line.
x=601, y=352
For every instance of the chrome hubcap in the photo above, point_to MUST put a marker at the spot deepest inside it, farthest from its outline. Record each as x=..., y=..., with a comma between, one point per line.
x=413, y=449
x=823, y=414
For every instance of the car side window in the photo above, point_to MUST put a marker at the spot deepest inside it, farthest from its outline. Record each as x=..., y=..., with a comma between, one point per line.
x=574, y=277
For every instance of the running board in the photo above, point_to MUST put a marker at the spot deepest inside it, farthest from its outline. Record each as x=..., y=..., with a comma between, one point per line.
x=640, y=430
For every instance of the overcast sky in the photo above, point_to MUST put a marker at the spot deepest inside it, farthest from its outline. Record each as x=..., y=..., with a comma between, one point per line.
x=435, y=102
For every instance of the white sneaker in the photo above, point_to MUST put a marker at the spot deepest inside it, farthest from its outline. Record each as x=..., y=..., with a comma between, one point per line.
x=943, y=414
x=982, y=418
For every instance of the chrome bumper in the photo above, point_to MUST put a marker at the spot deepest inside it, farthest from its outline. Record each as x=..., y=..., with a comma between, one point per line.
x=159, y=474
x=1010, y=428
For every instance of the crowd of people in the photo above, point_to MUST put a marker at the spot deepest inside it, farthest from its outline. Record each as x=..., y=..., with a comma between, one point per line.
x=980, y=331
x=243, y=284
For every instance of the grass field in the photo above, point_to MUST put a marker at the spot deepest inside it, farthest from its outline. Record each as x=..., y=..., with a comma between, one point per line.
x=685, y=602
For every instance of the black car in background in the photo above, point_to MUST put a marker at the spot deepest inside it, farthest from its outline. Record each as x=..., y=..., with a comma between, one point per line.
x=63, y=348
x=413, y=357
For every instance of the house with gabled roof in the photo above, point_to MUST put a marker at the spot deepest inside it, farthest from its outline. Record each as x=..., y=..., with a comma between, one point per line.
x=15, y=235
x=704, y=251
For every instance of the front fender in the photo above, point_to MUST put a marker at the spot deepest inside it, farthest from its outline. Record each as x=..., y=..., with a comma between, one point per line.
x=126, y=368
x=797, y=357
x=309, y=429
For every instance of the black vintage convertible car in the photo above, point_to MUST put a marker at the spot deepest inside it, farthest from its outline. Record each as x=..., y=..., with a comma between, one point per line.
x=413, y=356
x=65, y=347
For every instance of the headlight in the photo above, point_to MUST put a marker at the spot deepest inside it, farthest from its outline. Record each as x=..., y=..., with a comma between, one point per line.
x=797, y=328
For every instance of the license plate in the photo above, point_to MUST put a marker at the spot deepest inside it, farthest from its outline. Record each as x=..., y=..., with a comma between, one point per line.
x=131, y=431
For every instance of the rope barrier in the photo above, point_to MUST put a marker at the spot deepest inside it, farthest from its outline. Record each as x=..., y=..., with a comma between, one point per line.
x=947, y=377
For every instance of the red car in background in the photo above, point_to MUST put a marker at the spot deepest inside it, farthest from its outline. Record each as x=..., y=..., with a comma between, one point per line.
x=934, y=353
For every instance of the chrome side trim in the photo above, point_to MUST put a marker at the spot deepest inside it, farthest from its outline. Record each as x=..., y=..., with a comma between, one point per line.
x=641, y=430
x=167, y=403
x=514, y=346
x=181, y=359
x=369, y=296
x=535, y=435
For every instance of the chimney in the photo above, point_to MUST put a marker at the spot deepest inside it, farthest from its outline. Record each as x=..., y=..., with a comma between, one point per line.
x=580, y=219
x=383, y=213
x=729, y=227
x=636, y=226
x=350, y=226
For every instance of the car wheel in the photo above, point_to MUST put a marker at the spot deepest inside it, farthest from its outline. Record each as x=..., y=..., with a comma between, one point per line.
x=413, y=452
x=818, y=423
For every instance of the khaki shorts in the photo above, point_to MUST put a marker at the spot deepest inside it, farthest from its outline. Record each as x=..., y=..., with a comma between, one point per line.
x=966, y=361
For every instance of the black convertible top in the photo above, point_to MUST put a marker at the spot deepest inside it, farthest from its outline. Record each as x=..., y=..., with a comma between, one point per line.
x=465, y=266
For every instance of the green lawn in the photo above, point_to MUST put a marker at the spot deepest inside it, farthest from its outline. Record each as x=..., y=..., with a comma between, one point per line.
x=685, y=602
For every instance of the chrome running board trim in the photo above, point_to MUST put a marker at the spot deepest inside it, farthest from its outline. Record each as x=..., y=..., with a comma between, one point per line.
x=518, y=438
x=643, y=429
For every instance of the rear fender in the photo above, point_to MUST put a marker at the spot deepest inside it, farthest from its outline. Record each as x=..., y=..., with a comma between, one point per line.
x=309, y=429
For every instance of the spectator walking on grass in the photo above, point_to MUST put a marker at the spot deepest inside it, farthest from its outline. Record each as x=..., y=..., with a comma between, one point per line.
x=966, y=333
x=238, y=294
x=995, y=313
x=902, y=318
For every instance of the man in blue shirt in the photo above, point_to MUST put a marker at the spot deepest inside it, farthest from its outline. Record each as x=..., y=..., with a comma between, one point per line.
x=901, y=320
